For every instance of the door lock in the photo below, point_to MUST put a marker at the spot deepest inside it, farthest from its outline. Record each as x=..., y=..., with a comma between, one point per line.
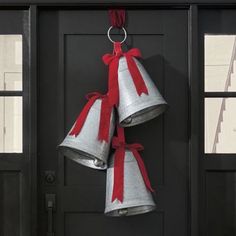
x=50, y=177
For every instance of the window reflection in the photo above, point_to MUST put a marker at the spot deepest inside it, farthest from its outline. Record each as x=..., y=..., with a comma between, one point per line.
x=220, y=125
x=10, y=62
x=220, y=64
x=10, y=107
x=10, y=124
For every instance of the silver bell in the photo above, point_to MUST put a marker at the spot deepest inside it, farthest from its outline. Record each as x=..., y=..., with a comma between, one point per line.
x=134, y=109
x=136, y=197
x=85, y=148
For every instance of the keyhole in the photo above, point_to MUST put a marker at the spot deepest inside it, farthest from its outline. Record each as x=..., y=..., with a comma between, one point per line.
x=50, y=177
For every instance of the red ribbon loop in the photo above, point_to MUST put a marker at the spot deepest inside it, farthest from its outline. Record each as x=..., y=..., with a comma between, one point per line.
x=119, y=144
x=117, y=17
x=113, y=61
x=105, y=116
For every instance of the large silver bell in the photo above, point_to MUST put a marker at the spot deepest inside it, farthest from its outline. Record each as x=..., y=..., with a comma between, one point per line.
x=137, y=199
x=134, y=109
x=85, y=148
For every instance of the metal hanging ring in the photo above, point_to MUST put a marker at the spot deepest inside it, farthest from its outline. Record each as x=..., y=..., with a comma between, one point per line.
x=109, y=37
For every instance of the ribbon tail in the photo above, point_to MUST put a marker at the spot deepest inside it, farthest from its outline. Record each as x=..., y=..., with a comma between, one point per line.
x=120, y=133
x=105, y=118
x=143, y=170
x=113, y=86
x=118, y=184
x=136, y=76
x=82, y=117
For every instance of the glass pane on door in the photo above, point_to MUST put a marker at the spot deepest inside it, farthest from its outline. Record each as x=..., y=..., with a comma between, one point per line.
x=220, y=63
x=220, y=125
x=11, y=124
x=11, y=62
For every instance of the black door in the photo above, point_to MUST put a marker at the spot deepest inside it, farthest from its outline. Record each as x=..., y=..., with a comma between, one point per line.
x=71, y=44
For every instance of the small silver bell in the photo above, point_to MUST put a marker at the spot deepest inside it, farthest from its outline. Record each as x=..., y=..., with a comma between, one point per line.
x=137, y=199
x=134, y=109
x=85, y=148
x=123, y=212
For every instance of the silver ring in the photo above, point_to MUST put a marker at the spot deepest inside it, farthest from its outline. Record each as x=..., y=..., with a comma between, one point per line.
x=108, y=34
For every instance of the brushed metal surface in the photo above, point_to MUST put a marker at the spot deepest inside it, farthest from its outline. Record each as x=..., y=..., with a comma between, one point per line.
x=137, y=199
x=86, y=149
x=134, y=109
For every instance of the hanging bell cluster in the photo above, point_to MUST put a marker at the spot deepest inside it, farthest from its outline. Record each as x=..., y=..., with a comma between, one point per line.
x=135, y=97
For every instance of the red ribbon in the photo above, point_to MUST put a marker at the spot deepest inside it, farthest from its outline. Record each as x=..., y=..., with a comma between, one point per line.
x=113, y=61
x=117, y=17
x=105, y=116
x=119, y=144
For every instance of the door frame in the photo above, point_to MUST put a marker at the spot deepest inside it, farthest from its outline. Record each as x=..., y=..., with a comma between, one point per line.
x=195, y=113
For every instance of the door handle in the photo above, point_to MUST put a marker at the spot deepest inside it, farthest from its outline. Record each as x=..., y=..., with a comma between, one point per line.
x=50, y=208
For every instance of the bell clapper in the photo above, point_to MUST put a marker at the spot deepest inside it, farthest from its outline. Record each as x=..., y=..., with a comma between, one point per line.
x=128, y=120
x=123, y=212
x=98, y=163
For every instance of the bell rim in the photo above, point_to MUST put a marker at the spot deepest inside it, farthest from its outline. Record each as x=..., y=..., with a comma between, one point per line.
x=160, y=108
x=82, y=161
x=114, y=212
x=84, y=148
x=87, y=163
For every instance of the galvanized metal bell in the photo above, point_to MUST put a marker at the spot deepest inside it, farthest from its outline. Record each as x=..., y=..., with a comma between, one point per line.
x=86, y=148
x=131, y=88
x=134, y=109
x=137, y=199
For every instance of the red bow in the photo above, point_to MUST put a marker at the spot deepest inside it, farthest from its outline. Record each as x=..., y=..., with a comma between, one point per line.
x=119, y=144
x=113, y=61
x=105, y=116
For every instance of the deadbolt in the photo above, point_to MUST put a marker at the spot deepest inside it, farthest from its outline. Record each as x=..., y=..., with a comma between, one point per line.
x=50, y=177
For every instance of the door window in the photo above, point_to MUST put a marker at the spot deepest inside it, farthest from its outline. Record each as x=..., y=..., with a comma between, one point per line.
x=11, y=93
x=220, y=108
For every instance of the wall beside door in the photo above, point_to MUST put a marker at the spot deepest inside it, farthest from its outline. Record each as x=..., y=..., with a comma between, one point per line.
x=217, y=153
x=15, y=151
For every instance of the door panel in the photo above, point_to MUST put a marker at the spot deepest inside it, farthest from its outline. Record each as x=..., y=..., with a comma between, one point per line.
x=150, y=224
x=71, y=46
